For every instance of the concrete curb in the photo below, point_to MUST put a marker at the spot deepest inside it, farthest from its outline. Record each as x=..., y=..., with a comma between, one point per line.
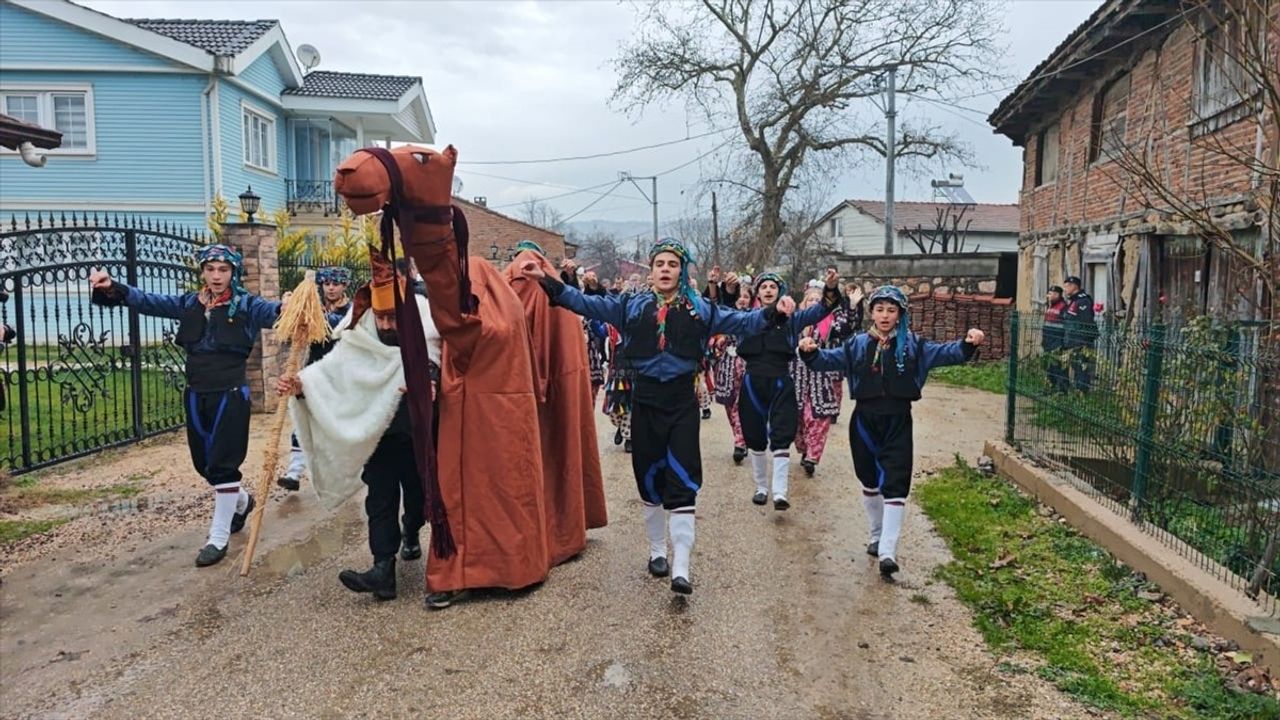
x=1220, y=607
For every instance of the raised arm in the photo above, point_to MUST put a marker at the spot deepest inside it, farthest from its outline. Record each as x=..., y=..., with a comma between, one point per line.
x=111, y=293
x=935, y=354
x=743, y=323
x=835, y=359
x=262, y=312
x=830, y=301
x=611, y=309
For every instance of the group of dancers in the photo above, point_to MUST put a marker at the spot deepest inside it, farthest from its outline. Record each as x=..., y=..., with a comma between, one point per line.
x=471, y=410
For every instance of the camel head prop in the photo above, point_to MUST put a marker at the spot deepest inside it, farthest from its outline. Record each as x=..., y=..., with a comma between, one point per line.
x=427, y=177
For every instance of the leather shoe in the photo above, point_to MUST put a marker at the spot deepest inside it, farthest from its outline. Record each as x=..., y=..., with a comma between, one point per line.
x=681, y=585
x=658, y=567
x=759, y=498
x=410, y=548
x=441, y=600
x=292, y=484
x=809, y=467
x=780, y=503
x=237, y=520
x=210, y=555
x=739, y=454
x=379, y=579
x=873, y=549
x=888, y=566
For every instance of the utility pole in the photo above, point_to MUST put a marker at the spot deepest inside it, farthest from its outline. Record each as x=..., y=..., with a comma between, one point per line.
x=889, y=115
x=651, y=197
x=715, y=231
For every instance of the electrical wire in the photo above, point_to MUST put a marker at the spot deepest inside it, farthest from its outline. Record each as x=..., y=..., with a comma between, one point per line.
x=592, y=203
x=595, y=155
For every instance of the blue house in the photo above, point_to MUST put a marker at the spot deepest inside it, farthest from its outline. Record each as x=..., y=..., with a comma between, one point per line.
x=159, y=116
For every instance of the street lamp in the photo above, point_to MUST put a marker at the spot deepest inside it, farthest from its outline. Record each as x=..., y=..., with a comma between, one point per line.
x=249, y=202
x=493, y=252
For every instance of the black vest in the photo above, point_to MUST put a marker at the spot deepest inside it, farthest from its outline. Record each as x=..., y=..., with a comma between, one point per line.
x=686, y=333
x=769, y=354
x=883, y=380
x=222, y=366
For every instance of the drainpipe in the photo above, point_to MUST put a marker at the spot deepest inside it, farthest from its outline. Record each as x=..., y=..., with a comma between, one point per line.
x=32, y=156
x=206, y=106
x=359, y=132
x=215, y=146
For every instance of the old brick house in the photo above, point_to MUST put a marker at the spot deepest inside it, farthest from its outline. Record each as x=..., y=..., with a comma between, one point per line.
x=1154, y=82
x=494, y=235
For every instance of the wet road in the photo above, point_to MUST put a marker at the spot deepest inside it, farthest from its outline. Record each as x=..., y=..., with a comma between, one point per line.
x=788, y=620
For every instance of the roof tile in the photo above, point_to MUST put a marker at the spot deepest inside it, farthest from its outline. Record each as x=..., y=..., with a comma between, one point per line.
x=220, y=37
x=362, y=86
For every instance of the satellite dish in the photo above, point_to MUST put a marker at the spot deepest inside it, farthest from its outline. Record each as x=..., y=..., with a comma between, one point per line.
x=309, y=56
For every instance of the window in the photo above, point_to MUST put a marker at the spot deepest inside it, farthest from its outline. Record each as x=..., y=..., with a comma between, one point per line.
x=1047, y=156
x=1222, y=82
x=259, y=140
x=69, y=111
x=1109, y=110
x=837, y=229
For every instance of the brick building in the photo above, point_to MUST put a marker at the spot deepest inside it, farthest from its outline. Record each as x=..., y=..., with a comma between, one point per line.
x=494, y=235
x=1154, y=82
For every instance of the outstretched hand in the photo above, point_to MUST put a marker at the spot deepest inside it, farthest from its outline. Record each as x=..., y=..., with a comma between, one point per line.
x=530, y=269
x=855, y=295
x=808, y=344
x=832, y=279
x=975, y=337
x=99, y=279
x=786, y=305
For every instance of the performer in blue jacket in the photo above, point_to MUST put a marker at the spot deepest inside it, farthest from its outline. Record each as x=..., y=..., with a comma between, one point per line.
x=886, y=367
x=217, y=326
x=665, y=333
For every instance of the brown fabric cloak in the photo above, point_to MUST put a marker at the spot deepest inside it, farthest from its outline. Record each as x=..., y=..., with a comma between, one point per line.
x=573, y=482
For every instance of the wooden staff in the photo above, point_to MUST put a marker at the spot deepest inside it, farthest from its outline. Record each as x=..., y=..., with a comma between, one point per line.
x=303, y=321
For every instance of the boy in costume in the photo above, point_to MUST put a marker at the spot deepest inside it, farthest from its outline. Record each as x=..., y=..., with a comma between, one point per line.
x=886, y=367
x=217, y=327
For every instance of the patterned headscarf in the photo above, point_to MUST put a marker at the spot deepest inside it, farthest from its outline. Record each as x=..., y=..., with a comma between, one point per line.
x=685, y=294
x=889, y=293
x=334, y=274
x=226, y=254
x=529, y=245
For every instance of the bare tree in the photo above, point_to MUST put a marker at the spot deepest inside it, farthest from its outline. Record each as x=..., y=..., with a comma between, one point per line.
x=600, y=249
x=540, y=214
x=946, y=236
x=797, y=79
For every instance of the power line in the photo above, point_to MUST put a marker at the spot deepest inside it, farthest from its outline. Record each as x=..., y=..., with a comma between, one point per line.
x=593, y=202
x=594, y=189
x=594, y=155
x=944, y=107
x=705, y=154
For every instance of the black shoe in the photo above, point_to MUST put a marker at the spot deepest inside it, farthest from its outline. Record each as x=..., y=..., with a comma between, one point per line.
x=739, y=454
x=780, y=503
x=210, y=555
x=410, y=547
x=706, y=414
x=237, y=520
x=873, y=549
x=658, y=567
x=681, y=585
x=617, y=437
x=627, y=446
x=759, y=498
x=809, y=467
x=888, y=567
x=441, y=600
x=379, y=580
x=288, y=483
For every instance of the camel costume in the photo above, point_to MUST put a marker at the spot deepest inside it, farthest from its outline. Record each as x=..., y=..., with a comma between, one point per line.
x=484, y=495
x=562, y=380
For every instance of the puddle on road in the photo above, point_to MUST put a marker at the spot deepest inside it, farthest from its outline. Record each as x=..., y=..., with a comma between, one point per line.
x=293, y=559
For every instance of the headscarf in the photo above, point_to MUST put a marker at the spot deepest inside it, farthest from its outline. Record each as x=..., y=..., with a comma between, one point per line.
x=685, y=294
x=226, y=254
x=891, y=294
x=334, y=274
x=529, y=245
x=774, y=278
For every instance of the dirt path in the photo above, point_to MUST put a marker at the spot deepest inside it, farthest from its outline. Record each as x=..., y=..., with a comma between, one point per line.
x=783, y=607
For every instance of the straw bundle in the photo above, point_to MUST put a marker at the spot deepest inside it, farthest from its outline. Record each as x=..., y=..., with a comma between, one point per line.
x=303, y=321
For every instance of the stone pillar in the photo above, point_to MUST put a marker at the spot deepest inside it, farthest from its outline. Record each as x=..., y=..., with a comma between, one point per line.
x=257, y=242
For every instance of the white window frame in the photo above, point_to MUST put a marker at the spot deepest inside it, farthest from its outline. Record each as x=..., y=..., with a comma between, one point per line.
x=270, y=152
x=837, y=227
x=44, y=106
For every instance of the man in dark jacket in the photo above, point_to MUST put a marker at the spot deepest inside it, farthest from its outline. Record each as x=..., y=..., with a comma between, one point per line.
x=1079, y=333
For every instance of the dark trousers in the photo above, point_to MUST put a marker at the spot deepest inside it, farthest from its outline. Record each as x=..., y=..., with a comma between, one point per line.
x=391, y=473
x=666, y=456
x=882, y=452
x=1056, y=370
x=218, y=433
x=768, y=411
x=1083, y=362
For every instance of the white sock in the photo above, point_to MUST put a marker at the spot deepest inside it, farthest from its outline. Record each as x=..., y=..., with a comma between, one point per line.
x=874, y=505
x=893, y=512
x=681, y=542
x=655, y=526
x=242, y=501
x=224, y=506
x=297, y=464
x=760, y=470
x=781, y=472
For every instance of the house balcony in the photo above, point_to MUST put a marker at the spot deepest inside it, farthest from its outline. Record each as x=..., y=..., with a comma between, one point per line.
x=312, y=198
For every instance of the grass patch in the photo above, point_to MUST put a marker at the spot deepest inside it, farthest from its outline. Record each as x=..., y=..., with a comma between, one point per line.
x=1035, y=585
x=32, y=496
x=990, y=376
x=14, y=530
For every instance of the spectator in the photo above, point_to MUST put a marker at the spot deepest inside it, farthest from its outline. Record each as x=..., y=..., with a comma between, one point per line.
x=1052, y=336
x=1079, y=334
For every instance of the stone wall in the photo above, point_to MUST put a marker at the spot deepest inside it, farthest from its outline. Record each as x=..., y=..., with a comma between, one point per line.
x=257, y=242
x=970, y=274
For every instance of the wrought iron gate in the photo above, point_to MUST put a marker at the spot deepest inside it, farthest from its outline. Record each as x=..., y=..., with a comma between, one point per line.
x=78, y=377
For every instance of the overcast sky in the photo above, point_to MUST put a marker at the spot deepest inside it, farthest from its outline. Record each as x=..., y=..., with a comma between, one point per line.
x=531, y=80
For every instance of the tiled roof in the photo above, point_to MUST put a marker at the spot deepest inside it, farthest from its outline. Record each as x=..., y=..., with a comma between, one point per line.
x=985, y=217
x=361, y=86
x=220, y=37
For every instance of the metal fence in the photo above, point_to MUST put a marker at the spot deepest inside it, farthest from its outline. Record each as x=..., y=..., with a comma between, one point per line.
x=1173, y=426
x=78, y=377
x=293, y=269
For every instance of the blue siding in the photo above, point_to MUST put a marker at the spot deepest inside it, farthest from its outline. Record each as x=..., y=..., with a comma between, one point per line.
x=263, y=75
x=27, y=37
x=236, y=176
x=147, y=128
